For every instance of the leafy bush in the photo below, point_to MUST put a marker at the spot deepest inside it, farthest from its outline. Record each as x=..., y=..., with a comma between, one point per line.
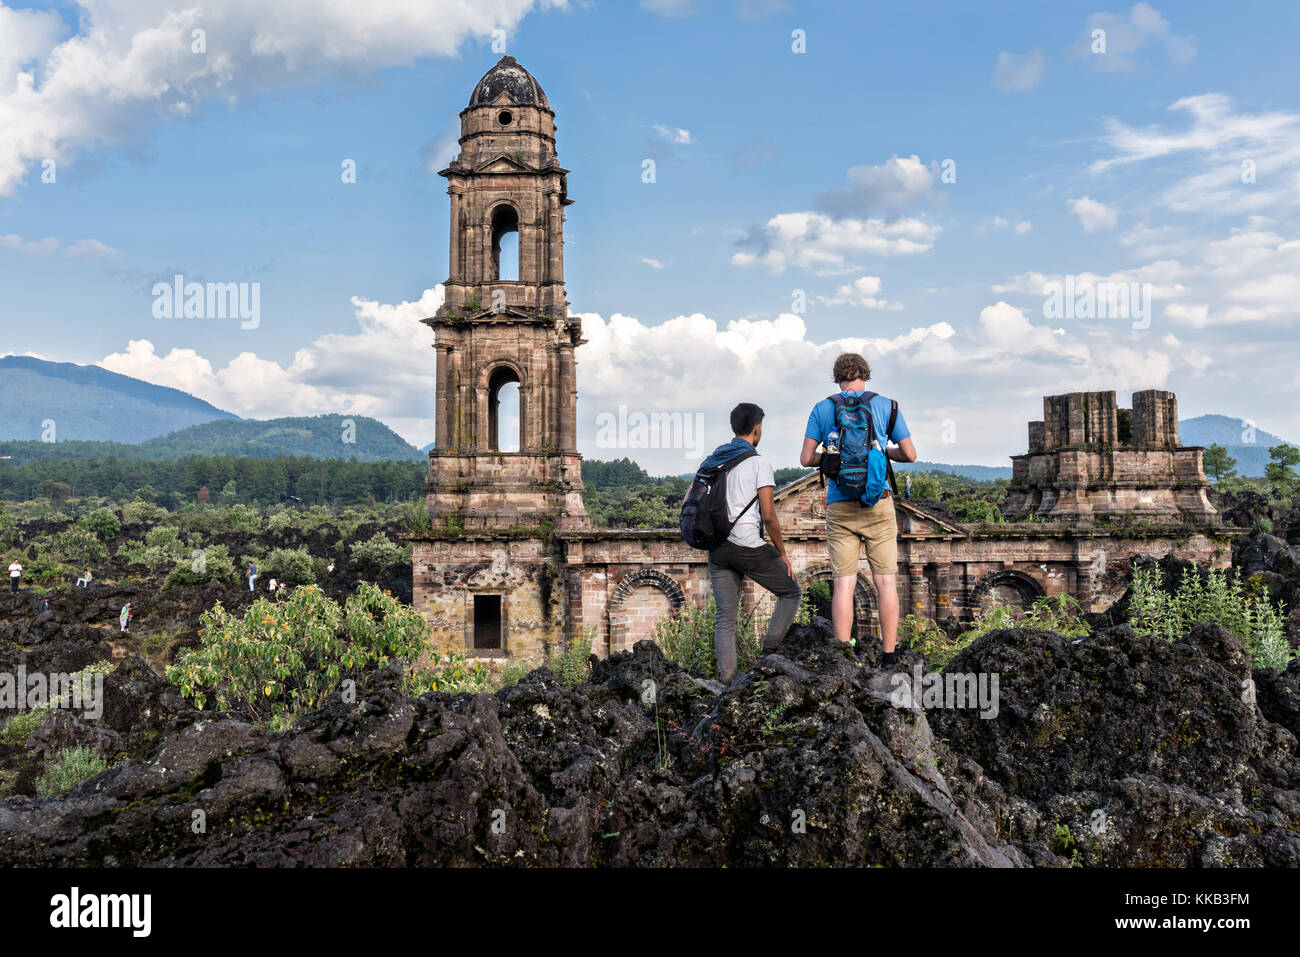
x=572, y=666
x=291, y=565
x=452, y=674
x=686, y=637
x=930, y=641
x=142, y=513
x=162, y=546
x=73, y=765
x=103, y=524
x=211, y=564
x=283, y=521
x=20, y=727
x=1058, y=613
x=243, y=518
x=1217, y=598
x=284, y=656
x=417, y=517
x=970, y=508
x=78, y=546
x=511, y=673
x=378, y=552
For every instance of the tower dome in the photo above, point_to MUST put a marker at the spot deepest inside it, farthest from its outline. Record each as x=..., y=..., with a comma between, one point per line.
x=510, y=78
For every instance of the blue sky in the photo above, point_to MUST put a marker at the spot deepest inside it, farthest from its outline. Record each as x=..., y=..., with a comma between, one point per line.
x=776, y=171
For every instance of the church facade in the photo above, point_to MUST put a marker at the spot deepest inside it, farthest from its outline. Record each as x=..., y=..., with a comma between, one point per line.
x=512, y=565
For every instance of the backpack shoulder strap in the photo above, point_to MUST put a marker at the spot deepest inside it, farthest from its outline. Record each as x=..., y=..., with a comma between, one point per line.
x=747, y=454
x=889, y=434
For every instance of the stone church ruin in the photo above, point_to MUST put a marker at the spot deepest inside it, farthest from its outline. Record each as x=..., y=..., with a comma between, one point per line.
x=512, y=565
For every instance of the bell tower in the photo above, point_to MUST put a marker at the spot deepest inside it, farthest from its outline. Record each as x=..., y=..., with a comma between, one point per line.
x=505, y=321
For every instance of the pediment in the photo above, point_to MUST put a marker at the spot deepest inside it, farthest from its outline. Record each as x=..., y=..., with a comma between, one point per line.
x=504, y=163
x=801, y=506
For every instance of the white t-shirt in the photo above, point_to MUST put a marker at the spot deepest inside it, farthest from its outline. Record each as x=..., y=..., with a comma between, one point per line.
x=743, y=483
x=15, y=570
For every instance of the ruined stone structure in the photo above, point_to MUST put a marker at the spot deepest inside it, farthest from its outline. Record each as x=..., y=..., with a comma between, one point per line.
x=513, y=567
x=1090, y=461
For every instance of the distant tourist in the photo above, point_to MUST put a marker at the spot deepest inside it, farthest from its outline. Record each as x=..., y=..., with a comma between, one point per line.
x=331, y=568
x=85, y=579
x=271, y=586
x=252, y=576
x=15, y=575
x=124, y=618
x=907, y=492
x=852, y=425
x=744, y=553
x=42, y=606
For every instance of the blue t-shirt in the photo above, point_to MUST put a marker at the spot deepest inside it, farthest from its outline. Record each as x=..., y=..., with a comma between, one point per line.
x=821, y=421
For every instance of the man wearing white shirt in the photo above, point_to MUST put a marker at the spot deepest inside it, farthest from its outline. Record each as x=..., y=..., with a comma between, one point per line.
x=745, y=554
x=15, y=575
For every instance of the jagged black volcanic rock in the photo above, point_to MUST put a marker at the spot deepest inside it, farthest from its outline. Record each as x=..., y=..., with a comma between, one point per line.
x=802, y=760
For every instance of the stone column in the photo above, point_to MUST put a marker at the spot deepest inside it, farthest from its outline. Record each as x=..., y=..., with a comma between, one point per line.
x=943, y=591
x=916, y=589
x=1084, y=584
x=454, y=268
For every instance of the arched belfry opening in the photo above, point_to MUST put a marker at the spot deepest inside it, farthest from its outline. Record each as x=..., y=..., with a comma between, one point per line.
x=505, y=244
x=505, y=339
x=505, y=431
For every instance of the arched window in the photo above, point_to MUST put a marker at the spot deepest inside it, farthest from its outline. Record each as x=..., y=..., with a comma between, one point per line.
x=504, y=429
x=505, y=243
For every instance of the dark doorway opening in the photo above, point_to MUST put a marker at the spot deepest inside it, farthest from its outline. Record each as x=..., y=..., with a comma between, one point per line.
x=487, y=621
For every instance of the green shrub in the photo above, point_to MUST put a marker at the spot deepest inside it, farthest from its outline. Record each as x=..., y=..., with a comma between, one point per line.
x=283, y=521
x=452, y=674
x=930, y=641
x=78, y=546
x=969, y=508
x=572, y=665
x=73, y=765
x=290, y=565
x=1057, y=613
x=377, y=553
x=20, y=727
x=417, y=517
x=285, y=656
x=103, y=524
x=686, y=637
x=162, y=547
x=142, y=513
x=1217, y=598
x=511, y=673
x=211, y=564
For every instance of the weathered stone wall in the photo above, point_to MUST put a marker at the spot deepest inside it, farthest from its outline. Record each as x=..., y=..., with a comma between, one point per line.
x=449, y=573
x=1089, y=461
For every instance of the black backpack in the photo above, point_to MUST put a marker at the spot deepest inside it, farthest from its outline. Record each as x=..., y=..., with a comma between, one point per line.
x=704, y=520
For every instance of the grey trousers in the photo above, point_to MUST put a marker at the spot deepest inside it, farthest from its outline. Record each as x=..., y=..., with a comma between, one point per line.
x=729, y=566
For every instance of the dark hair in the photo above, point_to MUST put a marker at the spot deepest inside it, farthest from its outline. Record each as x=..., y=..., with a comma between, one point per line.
x=745, y=417
x=850, y=366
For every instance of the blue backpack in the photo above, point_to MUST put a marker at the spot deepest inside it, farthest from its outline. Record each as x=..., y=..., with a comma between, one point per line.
x=854, y=459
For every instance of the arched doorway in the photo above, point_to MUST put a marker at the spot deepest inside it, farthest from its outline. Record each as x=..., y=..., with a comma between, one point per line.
x=640, y=600
x=866, y=621
x=1006, y=587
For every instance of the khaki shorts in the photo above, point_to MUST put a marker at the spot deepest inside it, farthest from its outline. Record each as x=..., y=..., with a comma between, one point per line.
x=849, y=525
